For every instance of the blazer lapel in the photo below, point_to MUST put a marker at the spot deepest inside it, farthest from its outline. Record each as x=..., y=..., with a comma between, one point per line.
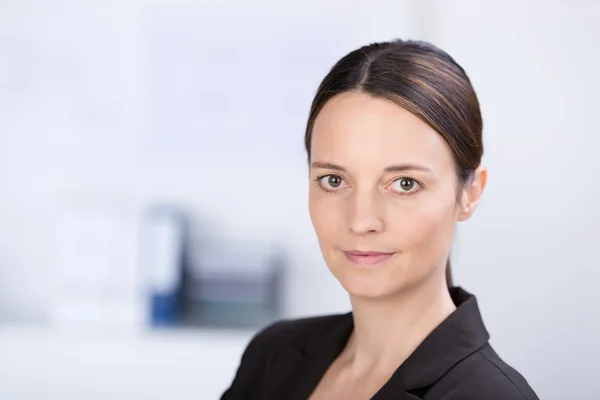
x=296, y=370
x=457, y=337
x=284, y=365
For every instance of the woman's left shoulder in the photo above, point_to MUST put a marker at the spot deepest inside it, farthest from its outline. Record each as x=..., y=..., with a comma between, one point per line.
x=485, y=376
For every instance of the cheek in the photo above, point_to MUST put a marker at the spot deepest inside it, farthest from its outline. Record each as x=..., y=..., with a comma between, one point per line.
x=325, y=214
x=428, y=231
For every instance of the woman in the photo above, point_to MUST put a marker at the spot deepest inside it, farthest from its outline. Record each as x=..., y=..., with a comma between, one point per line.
x=394, y=147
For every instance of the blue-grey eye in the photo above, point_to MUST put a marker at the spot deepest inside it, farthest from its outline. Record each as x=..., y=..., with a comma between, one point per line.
x=405, y=184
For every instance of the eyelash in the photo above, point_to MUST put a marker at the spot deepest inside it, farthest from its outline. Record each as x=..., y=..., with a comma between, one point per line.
x=317, y=181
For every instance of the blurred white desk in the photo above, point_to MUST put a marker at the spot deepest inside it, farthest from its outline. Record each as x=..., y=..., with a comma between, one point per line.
x=36, y=363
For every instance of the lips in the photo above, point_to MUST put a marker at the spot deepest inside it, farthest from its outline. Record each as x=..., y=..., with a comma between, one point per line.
x=367, y=258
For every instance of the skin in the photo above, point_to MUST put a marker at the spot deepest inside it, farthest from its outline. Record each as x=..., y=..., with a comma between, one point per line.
x=383, y=180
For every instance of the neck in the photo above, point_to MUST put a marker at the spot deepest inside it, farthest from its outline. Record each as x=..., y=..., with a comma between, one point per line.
x=387, y=331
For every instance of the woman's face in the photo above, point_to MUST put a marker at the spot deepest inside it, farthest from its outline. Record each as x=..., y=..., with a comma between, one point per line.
x=382, y=196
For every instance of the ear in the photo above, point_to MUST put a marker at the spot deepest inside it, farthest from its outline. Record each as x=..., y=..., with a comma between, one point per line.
x=471, y=196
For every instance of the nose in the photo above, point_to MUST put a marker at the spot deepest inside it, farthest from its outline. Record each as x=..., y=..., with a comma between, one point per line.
x=365, y=214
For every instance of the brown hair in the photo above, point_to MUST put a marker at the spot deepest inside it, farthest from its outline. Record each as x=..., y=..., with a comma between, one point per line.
x=425, y=81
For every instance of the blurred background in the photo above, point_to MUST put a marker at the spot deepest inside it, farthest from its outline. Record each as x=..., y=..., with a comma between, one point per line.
x=153, y=184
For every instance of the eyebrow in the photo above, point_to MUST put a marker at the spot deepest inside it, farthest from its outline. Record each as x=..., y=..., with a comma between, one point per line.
x=391, y=168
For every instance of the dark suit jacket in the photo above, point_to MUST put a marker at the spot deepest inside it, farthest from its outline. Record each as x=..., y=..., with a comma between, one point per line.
x=286, y=361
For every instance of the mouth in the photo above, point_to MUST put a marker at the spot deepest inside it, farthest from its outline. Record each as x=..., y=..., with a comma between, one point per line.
x=367, y=258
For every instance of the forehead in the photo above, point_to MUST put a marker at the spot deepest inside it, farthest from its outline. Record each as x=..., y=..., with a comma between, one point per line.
x=357, y=130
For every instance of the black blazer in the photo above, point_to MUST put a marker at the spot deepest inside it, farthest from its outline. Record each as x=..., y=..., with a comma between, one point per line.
x=287, y=360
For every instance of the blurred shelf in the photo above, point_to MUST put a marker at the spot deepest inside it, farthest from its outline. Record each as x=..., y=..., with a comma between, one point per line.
x=40, y=363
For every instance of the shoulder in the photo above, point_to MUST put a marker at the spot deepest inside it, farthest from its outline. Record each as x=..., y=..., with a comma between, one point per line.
x=257, y=358
x=485, y=376
x=294, y=332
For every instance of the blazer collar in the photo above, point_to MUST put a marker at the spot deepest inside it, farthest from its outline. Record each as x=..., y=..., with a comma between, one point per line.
x=461, y=334
x=458, y=336
x=296, y=369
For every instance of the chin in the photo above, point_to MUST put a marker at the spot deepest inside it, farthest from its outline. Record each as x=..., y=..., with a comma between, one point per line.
x=369, y=284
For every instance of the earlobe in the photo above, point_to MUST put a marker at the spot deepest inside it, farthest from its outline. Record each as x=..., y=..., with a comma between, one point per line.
x=465, y=213
x=473, y=193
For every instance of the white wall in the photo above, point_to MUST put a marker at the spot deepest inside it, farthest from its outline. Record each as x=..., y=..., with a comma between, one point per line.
x=86, y=126
x=36, y=364
x=531, y=251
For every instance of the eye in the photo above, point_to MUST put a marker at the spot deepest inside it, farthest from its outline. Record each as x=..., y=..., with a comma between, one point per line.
x=405, y=185
x=331, y=182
